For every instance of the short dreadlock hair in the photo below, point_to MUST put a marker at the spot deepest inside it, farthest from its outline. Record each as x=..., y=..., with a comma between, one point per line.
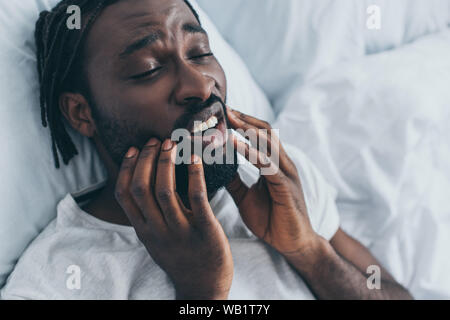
x=60, y=62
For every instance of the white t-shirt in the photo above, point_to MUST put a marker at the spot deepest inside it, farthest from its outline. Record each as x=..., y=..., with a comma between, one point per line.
x=79, y=256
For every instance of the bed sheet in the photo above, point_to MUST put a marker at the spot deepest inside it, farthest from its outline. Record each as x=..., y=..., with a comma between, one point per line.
x=378, y=129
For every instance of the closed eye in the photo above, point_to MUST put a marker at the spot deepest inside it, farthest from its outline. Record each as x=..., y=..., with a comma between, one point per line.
x=153, y=71
x=145, y=74
x=210, y=54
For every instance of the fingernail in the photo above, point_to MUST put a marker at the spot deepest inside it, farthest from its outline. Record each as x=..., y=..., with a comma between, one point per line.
x=264, y=159
x=131, y=153
x=196, y=159
x=168, y=145
x=152, y=142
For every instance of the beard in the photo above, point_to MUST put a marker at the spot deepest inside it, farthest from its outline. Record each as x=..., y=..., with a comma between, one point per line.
x=118, y=136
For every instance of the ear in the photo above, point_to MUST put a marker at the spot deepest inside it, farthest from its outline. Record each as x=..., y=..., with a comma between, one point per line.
x=77, y=111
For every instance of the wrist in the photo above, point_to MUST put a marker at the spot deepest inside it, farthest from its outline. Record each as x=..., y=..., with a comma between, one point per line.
x=310, y=256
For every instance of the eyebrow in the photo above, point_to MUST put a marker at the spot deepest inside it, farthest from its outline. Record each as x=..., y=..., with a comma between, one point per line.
x=155, y=36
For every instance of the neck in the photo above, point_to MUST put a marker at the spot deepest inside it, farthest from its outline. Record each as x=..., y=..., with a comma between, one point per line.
x=106, y=208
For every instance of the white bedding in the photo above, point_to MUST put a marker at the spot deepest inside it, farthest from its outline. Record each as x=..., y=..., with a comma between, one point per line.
x=378, y=128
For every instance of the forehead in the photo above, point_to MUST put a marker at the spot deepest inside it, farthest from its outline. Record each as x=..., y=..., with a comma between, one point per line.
x=126, y=20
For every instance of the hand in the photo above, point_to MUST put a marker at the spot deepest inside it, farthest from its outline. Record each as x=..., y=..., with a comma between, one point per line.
x=274, y=208
x=189, y=245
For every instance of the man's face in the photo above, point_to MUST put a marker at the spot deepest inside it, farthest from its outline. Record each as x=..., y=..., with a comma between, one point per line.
x=150, y=71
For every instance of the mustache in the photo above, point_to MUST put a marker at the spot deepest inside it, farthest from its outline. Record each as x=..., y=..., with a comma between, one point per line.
x=195, y=108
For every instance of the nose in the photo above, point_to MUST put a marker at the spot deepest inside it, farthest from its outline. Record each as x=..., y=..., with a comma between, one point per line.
x=192, y=85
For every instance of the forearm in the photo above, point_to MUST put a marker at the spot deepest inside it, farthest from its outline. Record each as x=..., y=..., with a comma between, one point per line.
x=331, y=277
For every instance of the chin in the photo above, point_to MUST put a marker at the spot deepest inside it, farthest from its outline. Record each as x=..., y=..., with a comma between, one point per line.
x=217, y=176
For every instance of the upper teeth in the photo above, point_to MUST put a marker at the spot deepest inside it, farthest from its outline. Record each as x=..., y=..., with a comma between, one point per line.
x=203, y=126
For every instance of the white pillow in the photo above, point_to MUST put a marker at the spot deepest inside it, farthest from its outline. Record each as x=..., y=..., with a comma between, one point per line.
x=403, y=21
x=283, y=42
x=31, y=187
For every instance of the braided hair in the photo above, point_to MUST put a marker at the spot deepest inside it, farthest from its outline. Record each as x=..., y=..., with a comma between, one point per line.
x=60, y=58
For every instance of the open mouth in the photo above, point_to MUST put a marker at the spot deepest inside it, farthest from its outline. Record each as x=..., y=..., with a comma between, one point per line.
x=209, y=127
x=211, y=123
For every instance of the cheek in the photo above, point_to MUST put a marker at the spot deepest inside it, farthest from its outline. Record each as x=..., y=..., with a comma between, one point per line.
x=221, y=80
x=141, y=108
x=149, y=109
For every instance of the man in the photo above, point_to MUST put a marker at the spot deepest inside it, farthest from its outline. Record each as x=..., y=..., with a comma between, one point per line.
x=137, y=71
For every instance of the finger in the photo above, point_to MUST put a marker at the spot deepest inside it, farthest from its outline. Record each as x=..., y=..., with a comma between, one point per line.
x=259, y=131
x=237, y=189
x=165, y=189
x=198, y=194
x=276, y=179
x=142, y=185
x=122, y=188
x=254, y=156
x=268, y=141
x=247, y=119
x=249, y=130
